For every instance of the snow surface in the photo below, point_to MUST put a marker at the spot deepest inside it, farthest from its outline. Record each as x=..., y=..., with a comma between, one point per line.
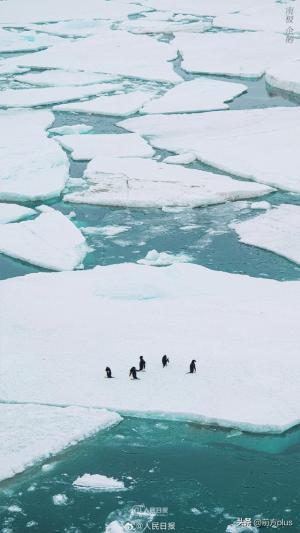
x=49, y=95
x=98, y=482
x=260, y=205
x=138, y=182
x=63, y=77
x=74, y=28
x=155, y=258
x=83, y=54
x=202, y=7
x=255, y=351
x=14, y=212
x=150, y=24
x=196, y=95
x=285, y=76
x=70, y=130
x=245, y=54
x=33, y=167
x=277, y=230
x=180, y=159
x=118, y=104
x=257, y=144
x=85, y=147
x=50, y=241
x=31, y=433
x=24, y=41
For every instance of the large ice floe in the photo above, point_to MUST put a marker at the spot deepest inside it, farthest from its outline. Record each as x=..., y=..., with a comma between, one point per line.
x=138, y=182
x=32, y=433
x=47, y=78
x=285, y=76
x=278, y=230
x=243, y=332
x=101, y=53
x=88, y=146
x=258, y=144
x=98, y=482
x=50, y=240
x=14, y=212
x=15, y=41
x=33, y=167
x=196, y=95
x=34, y=97
x=244, y=54
x=75, y=28
x=202, y=7
x=119, y=104
x=167, y=24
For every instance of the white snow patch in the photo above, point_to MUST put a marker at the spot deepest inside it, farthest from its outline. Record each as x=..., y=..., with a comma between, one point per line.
x=277, y=230
x=257, y=144
x=85, y=147
x=70, y=130
x=60, y=499
x=64, y=77
x=155, y=258
x=98, y=482
x=285, y=76
x=118, y=104
x=30, y=433
x=14, y=212
x=51, y=241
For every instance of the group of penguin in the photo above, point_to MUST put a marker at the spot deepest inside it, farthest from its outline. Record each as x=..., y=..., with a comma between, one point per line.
x=142, y=367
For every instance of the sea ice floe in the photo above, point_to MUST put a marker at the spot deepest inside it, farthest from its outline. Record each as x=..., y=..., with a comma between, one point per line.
x=85, y=147
x=149, y=24
x=83, y=54
x=50, y=241
x=185, y=304
x=49, y=95
x=238, y=528
x=60, y=499
x=277, y=230
x=107, y=231
x=138, y=182
x=24, y=41
x=74, y=28
x=202, y=7
x=269, y=16
x=244, y=54
x=260, y=205
x=257, y=144
x=180, y=159
x=118, y=104
x=10, y=66
x=155, y=258
x=196, y=95
x=12, y=13
x=14, y=212
x=70, y=130
x=285, y=76
x=33, y=167
x=24, y=443
x=57, y=78
x=98, y=482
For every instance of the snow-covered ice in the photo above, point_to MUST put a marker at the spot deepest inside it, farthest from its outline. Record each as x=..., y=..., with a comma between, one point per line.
x=196, y=95
x=257, y=325
x=150, y=24
x=50, y=241
x=74, y=28
x=107, y=231
x=56, y=78
x=33, y=167
x=257, y=144
x=138, y=182
x=85, y=147
x=15, y=41
x=269, y=16
x=245, y=54
x=14, y=212
x=285, y=76
x=98, y=482
x=60, y=499
x=118, y=104
x=49, y=95
x=31, y=433
x=260, y=205
x=202, y=7
x=70, y=130
x=155, y=258
x=180, y=159
x=277, y=230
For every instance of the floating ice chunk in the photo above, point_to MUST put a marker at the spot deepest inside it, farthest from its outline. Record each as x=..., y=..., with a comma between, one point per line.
x=73, y=28
x=64, y=77
x=277, y=230
x=23, y=443
x=233, y=54
x=107, y=231
x=260, y=205
x=238, y=528
x=60, y=499
x=14, y=212
x=24, y=41
x=14, y=509
x=285, y=76
x=14, y=13
x=118, y=104
x=85, y=147
x=152, y=25
x=48, y=95
x=99, y=483
x=51, y=241
x=33, y=167
x=83, y=54
x=47, y=467
x=116, y=527
x=137, y=182
x=195, y=95
x=155, y=258
x=269, y=16
x=180, y=159
x=257, y=144
x=69, y=130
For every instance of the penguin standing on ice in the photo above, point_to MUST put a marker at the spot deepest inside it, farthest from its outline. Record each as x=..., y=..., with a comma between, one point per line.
x=108, y=372
x=165, y=360
x=133, y=372
x=192, y=367
x=142, y=364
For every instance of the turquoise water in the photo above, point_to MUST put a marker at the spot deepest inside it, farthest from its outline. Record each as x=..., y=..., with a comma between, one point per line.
x=204, y=476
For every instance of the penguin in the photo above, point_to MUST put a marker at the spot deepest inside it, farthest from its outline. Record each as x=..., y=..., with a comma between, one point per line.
x=192, y=367
x=142, y=364
x=108, y=372
x=165, y=360
x=133, y=373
